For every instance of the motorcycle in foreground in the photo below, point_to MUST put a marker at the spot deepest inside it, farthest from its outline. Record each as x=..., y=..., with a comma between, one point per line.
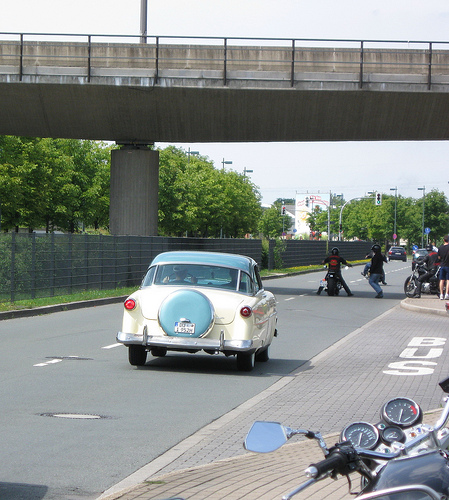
x=431, y=286
x=398, y=458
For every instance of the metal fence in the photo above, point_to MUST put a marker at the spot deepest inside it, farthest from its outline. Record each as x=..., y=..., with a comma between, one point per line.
x=306, y=252
x=44, y=265
x=288, y=59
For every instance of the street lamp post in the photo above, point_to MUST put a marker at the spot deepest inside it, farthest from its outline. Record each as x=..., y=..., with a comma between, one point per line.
x=247, y=171
x=143, y=20
x=226, y=162
x=341, y=213
x=191, y=153
x=423, y=189
x=395, y=189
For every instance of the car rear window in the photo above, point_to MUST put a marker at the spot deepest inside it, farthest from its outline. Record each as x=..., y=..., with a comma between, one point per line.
x=198, y=275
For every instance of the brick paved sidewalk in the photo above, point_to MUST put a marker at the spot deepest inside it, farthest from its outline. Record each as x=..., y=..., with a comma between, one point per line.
x=345, y=383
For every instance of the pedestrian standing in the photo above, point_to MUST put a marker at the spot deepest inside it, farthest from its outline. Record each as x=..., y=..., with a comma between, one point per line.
x=377, y=270
x=443, y=260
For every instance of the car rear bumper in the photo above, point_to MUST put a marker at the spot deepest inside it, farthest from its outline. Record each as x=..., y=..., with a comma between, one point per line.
x=185, y=343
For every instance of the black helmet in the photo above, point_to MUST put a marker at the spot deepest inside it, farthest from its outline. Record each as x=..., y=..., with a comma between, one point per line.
x=376, y=248
x=334, y=251
x=429, y=247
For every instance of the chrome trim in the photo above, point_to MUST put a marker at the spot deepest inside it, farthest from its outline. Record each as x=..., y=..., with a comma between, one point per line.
x=188, y=343
x=402, y=489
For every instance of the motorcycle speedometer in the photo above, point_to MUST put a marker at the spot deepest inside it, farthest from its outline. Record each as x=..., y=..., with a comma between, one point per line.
x=402, y=412
x=361, y=435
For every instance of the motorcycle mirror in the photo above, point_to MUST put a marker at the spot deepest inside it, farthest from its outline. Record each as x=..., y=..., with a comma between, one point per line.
x=264, y=437
x=444, y=384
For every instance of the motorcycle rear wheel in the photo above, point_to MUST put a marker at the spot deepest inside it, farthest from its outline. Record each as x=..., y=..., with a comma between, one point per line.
x=410, y=286
x=331, y=286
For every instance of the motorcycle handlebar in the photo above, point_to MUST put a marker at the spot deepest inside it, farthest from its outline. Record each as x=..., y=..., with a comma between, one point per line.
x=335, y=461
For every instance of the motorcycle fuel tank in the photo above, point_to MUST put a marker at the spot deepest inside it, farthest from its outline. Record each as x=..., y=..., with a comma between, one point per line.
x=430, y=469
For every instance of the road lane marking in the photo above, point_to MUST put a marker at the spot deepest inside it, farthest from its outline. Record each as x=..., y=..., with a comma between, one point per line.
x=51, y=362
x=111, y=346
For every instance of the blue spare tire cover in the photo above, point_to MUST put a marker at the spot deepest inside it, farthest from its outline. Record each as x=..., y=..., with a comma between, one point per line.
x=188, y=306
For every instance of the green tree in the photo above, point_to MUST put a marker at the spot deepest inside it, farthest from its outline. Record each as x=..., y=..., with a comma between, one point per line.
x=436, y=214
x=272, y=222
x=199, y=200
x=53, y=183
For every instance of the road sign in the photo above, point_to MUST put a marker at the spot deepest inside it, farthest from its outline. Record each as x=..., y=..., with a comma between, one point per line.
x=427, y=230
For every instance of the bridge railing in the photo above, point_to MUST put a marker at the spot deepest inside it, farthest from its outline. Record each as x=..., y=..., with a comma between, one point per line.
x=289, y=62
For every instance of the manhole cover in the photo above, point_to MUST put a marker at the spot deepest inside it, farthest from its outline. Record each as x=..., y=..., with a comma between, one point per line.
x=79, y=416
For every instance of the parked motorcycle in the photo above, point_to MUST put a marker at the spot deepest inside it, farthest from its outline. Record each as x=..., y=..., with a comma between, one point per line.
x=430, y=286
x=398, y=458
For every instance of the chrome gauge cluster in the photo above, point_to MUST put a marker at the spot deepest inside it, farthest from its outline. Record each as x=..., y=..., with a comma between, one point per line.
x=402, y=412
x=361, y=435
x=398, y=416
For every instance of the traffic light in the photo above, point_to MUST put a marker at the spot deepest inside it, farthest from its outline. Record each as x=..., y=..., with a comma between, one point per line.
x=307, y=201
x=283, y=210
x=378, y=199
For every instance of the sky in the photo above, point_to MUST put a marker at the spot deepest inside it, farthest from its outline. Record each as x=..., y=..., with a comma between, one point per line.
x=280, y=170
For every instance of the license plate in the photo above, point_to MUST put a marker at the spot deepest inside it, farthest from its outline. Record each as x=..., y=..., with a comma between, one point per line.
x=181, y=327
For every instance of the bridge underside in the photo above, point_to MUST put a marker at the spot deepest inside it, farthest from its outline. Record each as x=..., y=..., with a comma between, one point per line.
x=183, y=114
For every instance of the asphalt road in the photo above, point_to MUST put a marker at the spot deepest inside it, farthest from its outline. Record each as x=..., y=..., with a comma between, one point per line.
x=114, y=418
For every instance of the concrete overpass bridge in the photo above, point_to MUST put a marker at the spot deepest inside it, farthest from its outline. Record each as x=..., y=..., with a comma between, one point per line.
x=172, y=89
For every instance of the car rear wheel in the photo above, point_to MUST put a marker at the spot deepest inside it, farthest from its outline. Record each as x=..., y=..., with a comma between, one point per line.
x=245, y=361
x=137, y=355
x=263, y=356
x=159, y=352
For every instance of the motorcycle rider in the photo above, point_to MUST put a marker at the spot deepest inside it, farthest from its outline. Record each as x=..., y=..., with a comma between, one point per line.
x=377, y=268
x=367, y=268
x=334, y=262
x=430, y=262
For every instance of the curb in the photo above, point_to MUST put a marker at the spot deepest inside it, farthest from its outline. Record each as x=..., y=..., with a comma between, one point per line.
x=422, y=309
x=69, y=306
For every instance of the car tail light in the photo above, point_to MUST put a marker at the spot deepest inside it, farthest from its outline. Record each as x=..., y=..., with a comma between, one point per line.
x=130, y=304
x=246, y=311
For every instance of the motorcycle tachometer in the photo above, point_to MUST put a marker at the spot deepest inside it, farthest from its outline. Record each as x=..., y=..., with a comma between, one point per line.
x=402, y=412
x=361, y=435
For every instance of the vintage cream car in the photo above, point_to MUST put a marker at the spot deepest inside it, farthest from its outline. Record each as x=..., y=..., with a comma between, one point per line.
x=200, y=301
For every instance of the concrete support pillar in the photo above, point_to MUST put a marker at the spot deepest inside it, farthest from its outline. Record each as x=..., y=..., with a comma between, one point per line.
x=134, y=191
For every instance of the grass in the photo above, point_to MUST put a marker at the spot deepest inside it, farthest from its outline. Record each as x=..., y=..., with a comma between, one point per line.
x=101, y=294
x=62, y=299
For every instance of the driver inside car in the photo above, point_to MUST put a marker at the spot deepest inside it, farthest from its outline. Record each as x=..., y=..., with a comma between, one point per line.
x=180, y=276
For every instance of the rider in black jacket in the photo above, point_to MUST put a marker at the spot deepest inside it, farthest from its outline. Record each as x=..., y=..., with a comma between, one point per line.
x=334, y=262
x=377, y=269
x=430, y=261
